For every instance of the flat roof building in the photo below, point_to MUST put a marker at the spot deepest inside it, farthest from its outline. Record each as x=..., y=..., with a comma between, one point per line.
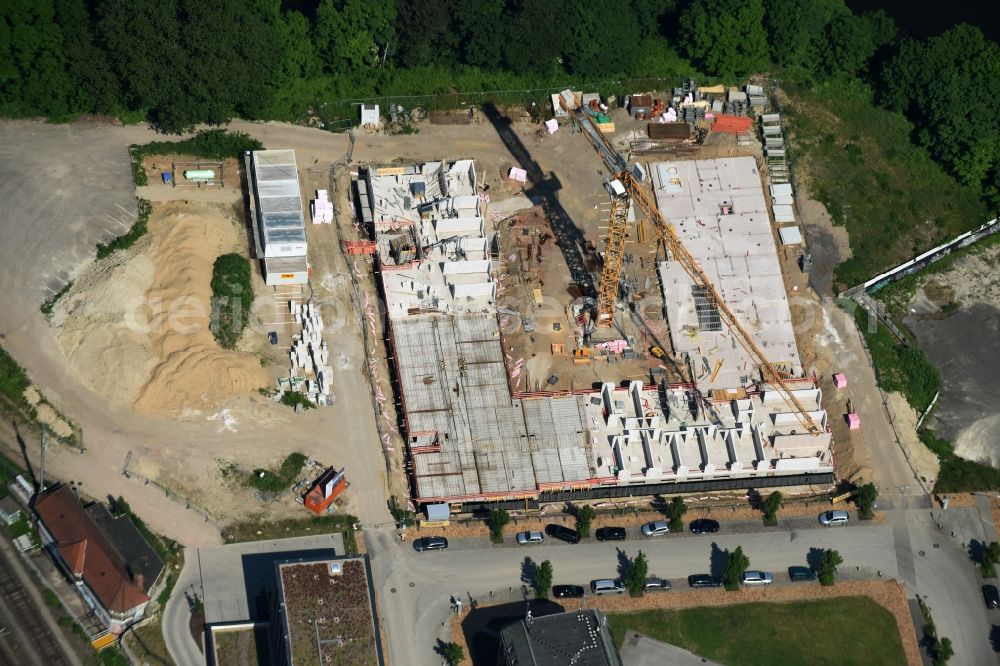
x=718, y=210
x=278, y=221
x=326, y=613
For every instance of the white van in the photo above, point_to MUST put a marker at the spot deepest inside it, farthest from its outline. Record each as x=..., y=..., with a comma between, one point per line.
x=606, y=586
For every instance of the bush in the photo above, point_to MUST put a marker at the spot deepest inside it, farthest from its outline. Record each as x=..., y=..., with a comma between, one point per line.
x=232, y=296
x=50, y=303
x=269, y=481
x=13, y=379
x=138, y=230
x=584, y=517
x=635, y=580
x=899, y=367
x=958, y=474
x=293, y=398
x=214, y=144
x=499, y=518
x=736, y=565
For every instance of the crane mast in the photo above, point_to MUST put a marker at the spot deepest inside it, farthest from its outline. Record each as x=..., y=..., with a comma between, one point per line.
x=617, y=231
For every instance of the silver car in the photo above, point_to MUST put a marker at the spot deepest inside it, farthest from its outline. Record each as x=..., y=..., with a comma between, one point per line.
x=831, y=518
x=655, y=528
x=756, y=578
x=525, y=538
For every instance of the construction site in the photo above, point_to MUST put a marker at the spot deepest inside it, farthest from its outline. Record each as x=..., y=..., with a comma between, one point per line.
x=538, y=361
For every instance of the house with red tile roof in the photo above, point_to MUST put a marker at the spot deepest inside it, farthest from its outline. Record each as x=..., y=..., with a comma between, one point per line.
x=113, y=589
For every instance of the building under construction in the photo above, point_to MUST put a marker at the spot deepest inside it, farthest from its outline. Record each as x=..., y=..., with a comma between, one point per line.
x=474, y=439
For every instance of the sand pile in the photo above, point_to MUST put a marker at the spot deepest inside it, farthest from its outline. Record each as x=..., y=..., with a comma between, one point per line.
x=135, y=327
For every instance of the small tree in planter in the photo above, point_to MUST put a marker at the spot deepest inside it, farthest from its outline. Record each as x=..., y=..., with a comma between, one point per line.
x=584, y=517
x=990, y=560
x=865, y=498
x=828, y=567
x=736, y=565
x=635, y=580
x=543, y=580
x=454, y=653
x=676, y=512
x=771, y=506
x=499, y=518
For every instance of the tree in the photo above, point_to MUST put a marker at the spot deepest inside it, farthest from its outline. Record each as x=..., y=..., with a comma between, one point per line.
x=990, y=559
x=477, y=21
x=543, y=580
x=865, y=497
x=725, y=37
x=534, y=36
x=635, y=579
x=676, y=511
x=499, y=518
x=426, y=36
x=33, y=78
x=454, y=653
x=771, y=506
x=852, y=40
x=596, y=26
x=584, y=517
x=736, y=565
x=925, y=78
x=352, y=35
x=828, y=566
x=796, y=30
x=943, y=652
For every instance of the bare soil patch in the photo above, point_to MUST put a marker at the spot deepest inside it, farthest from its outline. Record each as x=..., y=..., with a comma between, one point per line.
x=136, y=327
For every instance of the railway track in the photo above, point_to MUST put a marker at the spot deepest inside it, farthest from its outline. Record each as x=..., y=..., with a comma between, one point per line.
x=25, y=637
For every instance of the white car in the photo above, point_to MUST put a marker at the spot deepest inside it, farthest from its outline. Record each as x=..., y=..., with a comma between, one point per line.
x=655, y=528
x=833, y=518
x=525, y=538
x=756, y=578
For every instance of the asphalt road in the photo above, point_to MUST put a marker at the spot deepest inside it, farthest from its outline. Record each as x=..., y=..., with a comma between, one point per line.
x=414, y=589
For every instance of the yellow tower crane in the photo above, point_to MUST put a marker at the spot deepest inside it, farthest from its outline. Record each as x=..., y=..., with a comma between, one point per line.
x=607, y=291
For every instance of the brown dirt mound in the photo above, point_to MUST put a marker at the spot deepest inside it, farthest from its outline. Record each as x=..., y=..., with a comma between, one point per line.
x=135, y=327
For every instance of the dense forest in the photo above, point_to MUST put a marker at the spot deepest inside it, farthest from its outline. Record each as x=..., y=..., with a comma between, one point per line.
x=176, y=63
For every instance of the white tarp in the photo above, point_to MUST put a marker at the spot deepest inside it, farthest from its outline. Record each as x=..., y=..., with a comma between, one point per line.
x=784, y=214
x=790, y=235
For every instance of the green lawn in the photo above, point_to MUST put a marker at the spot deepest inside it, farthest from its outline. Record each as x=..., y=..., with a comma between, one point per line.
x=848, y=630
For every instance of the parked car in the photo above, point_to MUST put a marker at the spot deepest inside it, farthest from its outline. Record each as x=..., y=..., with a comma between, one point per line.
x=524, y=538
x=992, y=596
x=607, y=586
x=562, y=533
x=796, y=574
x=703, y=526
x=567, y=591
x=430, y=543
x=832, y=518
x=610, y=534
x=655, y=528
x=756, y=578
x=704, y=580
x=654, y=584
